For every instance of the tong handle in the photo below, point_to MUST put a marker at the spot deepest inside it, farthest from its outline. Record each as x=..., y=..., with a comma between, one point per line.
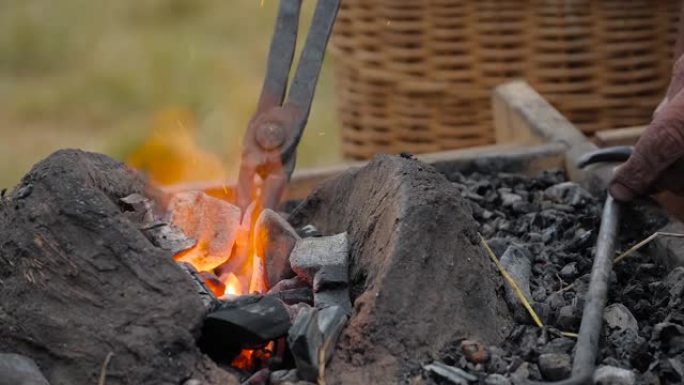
x=301, y=93
x=280, y=56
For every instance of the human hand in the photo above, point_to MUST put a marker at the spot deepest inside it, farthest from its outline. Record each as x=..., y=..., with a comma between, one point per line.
x=657, y=163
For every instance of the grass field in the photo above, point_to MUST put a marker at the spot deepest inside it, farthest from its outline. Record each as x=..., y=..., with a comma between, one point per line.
x=98, y=74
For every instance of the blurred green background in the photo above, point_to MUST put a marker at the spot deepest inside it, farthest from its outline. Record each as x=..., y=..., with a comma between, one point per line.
x=96, y=75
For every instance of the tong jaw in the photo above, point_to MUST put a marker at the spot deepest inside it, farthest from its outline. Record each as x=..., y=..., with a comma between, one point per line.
x=273, y=133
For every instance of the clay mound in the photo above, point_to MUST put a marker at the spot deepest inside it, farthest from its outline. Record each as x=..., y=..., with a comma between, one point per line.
x=78, y=280
x=419, y=276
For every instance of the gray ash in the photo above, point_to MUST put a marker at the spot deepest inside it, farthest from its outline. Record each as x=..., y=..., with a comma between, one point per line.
x=556, y=222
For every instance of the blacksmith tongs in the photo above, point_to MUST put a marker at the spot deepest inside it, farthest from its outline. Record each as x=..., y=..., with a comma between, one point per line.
x=273, y=133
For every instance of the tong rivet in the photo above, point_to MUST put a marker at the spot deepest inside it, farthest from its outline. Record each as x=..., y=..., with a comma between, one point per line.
x=270, y=136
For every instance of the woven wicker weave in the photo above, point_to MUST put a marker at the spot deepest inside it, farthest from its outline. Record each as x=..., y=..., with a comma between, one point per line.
x=416, y=75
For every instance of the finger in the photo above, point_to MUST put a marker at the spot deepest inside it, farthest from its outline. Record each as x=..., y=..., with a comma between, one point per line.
x=677, y=79
x=672, y=179
x=661, y=145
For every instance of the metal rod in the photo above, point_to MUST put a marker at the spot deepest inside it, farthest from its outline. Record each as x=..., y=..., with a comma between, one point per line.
x=303, y=87
x=586, y=353
x=280, y=55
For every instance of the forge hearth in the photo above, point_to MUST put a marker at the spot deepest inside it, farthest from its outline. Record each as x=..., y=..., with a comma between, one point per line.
x=87, y=273
x=80, y=281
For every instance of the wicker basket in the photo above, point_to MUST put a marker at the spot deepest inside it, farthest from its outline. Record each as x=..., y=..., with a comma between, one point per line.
x=416, y=75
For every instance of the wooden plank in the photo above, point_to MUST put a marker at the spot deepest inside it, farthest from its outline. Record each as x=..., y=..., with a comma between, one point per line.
x=619, y=137
x=527, y=112
x=523, y=111
x=496, y=158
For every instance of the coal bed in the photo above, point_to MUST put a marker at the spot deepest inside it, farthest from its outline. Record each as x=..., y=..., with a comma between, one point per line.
x=544, y=230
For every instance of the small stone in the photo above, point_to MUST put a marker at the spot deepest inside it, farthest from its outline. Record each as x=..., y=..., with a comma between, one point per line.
x=618, y=317
x=509, y=199
x=16, y=369
x=192, y=381
x=496, y=379
x=569, y=271
x=517, y=262
x=568, y=317
x=275, y=239
x=474, y=351
x=610, y=375
x=569, y=193
x=555, y=366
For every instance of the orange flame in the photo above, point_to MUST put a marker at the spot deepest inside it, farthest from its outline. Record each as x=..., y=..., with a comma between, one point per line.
x=226, y=248
x=171, y=155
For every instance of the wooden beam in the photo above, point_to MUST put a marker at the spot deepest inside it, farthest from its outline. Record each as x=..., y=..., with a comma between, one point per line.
x=619, y=137
x=495, y=158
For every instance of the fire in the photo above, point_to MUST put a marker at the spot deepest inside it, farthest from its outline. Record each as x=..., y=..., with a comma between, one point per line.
x=233, y=286
x=225, y=251
x=248, y=359
x=171, y=155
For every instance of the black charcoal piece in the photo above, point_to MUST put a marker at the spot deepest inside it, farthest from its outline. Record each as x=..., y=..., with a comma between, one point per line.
x=295, y=296
x=555, y=366
x=569, y=317
x=245, y=322
x=324, y=263
x=313, y=337
x=261, y=377
x=284, y=376
x=452, y=374
x=334, y=297
x=311, y=255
